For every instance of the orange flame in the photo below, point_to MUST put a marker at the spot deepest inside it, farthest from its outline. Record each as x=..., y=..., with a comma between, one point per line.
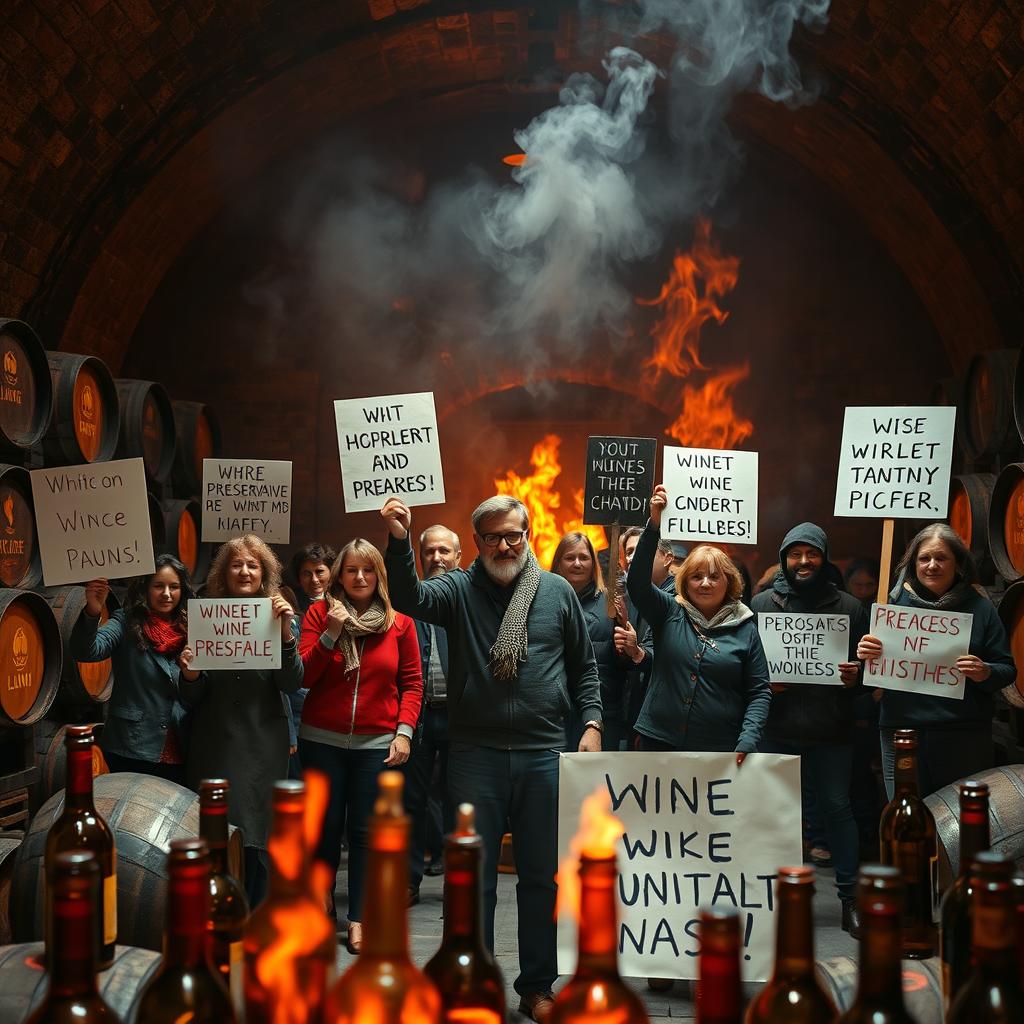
x=514, y=159
x=596, y=837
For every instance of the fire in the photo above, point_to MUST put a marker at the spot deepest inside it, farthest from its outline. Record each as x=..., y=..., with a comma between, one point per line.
x=596, y=837
x=514, y=159
x=537, y=492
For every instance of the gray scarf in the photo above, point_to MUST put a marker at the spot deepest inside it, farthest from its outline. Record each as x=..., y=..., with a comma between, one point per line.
x=510, y=647
x=373, y=620
x=732, y=613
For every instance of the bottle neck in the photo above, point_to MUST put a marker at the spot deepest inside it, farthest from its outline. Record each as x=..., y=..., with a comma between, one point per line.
x=721, y=989
x=289, y=858
x=794, y=933
x=598, y=939
x=385, y=925
x=905, y=773
x=78, y=791
x=881, y=950
x=463, y=897
x=213, y=827
x=974, y=836
x=188, y=906
x=73, y=953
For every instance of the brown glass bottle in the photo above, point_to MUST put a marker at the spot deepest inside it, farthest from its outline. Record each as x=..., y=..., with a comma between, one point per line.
x=1017, y=884
x=906, y=836
x=955, y=910
x=793, y=995
x=879, y=998
x=992, y=994
x=73, y=998
x=81, y=827
x=186, y=985
x=463, y=969
x=596, y=992
x=229, y=908
x=382, y=985
x=289, y=942
x=719, y=990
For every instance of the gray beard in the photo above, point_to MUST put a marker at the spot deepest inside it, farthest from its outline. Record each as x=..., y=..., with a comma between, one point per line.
x=505, y=572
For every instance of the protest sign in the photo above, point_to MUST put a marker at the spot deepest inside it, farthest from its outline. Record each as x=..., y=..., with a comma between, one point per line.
x=712, y=495
x=233, y=632
x=804, y=648
x=389, y=449
x=247, y=496
x=700, y=832
x=894, y=462
x=93, y=521
x=919, y=650
x=620, y=478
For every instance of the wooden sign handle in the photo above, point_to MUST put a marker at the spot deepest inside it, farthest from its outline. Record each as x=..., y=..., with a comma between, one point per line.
x=885, y=562
x=612, y=583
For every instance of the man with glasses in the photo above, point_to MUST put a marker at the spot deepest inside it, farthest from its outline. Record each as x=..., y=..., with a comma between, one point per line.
x=519, y=659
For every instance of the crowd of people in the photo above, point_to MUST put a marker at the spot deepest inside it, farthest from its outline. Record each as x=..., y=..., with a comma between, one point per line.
x=474, y=680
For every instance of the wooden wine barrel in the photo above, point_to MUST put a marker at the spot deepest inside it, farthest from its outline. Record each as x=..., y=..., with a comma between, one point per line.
x=969, y=498
x=147, y=427
x=198, y=439
x=922, y=985
x=26, y=394
x=183, y=524
x=23, y=983
x=157, y=525
x=9, y=843
x=145, y=813
x=1005, y=818
x=1011, y=611
x=19, y=550
x=51, y=758
x=30, y=657
x=986, y=426
x=87, y=413
x=1006, y=521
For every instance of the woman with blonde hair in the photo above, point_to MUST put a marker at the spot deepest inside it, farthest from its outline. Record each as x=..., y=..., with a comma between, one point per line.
x=365, y=686
x=240, y=723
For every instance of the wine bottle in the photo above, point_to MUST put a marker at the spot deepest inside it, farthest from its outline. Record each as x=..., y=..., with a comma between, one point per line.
x=463, y=969
x=186, y=985
x=793, y=995
x=719, y=989
x=229, y=908
x=879, y=998
x=906, y=835
x=74, y=884
x=992, y=994
x=81, y=827
x=382, y=985
x=289, y=943
x=955, y=909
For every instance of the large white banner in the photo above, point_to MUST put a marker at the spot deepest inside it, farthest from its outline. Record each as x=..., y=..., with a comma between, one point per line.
x=700, y=832
x=233, y=633
x=804, y=648
x=93, y=521
x=712, y=495
x=247, y=496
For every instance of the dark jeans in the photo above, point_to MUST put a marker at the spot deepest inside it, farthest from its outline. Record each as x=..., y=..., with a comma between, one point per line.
x=431, y=745
x=353, y=778
x=517, y=788
x=943, y=756
x=827, y=768
x=171, y=772
x=256, y=864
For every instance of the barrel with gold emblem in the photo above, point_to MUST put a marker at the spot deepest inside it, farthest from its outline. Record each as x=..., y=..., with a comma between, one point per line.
x=19, y=551
x=86, y=417
x=30, y=657
x=26, y=394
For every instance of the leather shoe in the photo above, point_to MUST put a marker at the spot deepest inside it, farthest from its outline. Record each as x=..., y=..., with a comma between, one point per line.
x=354, y=939
x=414, y=897
x=537, y=1006
x=660, y=984
x=851, y=918
x=434, y=868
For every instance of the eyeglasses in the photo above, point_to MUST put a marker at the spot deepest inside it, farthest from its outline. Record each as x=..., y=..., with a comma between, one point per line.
x=513, y=539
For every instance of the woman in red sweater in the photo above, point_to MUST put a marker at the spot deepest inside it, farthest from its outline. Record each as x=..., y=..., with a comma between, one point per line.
x=362, y=667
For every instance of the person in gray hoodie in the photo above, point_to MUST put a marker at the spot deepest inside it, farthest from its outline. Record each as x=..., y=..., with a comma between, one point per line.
x=519, y=661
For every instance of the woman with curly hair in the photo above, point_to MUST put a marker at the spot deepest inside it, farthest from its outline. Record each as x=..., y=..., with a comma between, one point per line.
x=145, y=641
x=240, y=727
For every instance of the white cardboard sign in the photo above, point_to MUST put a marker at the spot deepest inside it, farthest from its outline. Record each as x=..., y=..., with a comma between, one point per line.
x=712, y=495
x=389, y=449
x=700, y=832
x=92, y=521
x=804, y=648
x=233, y=633
x=895, y=462
x=919, y=650
x=247, y=496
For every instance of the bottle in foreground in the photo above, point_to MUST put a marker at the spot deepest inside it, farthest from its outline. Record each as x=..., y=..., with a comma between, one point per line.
x=907, y=841
x=992, y=994
x=879, y=998
x=186, y=985
x=289, y=942
x=955, y=910
x=793, y=995
x=719, y=990
x=81, y=827
x=74, y=880
x=463, y=969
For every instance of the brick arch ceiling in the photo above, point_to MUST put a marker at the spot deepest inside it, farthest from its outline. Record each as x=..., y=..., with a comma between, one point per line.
x=115, y=116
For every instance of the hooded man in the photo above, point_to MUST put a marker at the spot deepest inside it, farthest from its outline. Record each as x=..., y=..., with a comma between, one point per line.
x=816, y=721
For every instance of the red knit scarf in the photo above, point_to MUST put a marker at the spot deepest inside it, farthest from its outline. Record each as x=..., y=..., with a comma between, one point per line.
x=165, y=636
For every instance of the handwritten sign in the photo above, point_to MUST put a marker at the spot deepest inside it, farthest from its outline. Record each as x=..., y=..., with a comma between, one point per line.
x=93, y=521
x=389, y=449
x=247, y=496
x=620, y=478
x=233, y=633
x=804, y=648
x=699, y=833
x=894, y=462
x=712, y=495
x=919, y=650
